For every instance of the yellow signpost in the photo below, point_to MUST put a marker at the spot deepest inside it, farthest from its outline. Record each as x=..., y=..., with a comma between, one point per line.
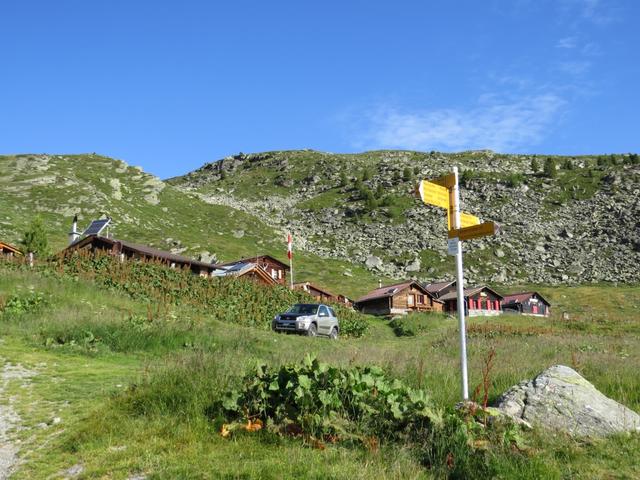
x=444, y=192
x=434, y=194
x=468, y=220
x=448, y=181
x=474, y=231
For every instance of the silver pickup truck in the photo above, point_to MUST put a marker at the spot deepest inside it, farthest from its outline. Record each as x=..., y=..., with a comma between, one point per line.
x=309, y=319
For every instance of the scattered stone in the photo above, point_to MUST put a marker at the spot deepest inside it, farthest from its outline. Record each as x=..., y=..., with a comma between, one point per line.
x=373, y=262
x=117, y=192
x=74, y=471
x=413, y=266
x=561, y=399
x=207, y=257
x=499, y=253
x=238, y=233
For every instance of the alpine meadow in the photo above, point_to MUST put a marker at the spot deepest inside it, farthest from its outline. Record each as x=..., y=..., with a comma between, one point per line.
x=135, y=370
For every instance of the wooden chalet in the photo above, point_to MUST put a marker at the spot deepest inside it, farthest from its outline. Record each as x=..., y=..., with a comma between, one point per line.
x=129, y=250
x=479, y=301
x=274, y=267
x=319, y=293
x=526, y=303
x=7, y=250
x=437, y=289
x=399, y=299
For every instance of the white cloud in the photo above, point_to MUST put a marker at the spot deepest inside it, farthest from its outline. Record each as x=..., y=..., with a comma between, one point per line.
x=574, y=67
x=567, y=42
x=495, y=123
x=599, y=12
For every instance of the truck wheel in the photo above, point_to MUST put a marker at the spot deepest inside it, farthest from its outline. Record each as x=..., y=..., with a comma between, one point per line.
x=313, y=330
x=334, y=334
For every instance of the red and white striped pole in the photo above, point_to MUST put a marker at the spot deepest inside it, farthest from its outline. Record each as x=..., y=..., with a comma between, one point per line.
x=290, y=255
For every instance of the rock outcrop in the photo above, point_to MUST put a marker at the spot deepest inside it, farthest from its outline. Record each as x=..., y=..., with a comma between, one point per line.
x=561, y=399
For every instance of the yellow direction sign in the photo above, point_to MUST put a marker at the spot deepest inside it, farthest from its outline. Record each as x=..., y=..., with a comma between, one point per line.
x=468, y=220
x=434, y=194
x=486, y=228
x=448, y=181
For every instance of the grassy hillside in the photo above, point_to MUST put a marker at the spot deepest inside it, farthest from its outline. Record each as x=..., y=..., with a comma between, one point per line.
x=118, y=387
x=146, y=210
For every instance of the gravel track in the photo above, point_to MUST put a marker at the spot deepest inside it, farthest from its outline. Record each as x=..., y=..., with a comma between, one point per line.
x=9, y=418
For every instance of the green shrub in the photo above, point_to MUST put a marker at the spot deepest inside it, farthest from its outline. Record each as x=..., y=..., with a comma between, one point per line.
x=514, y=180
x=352, y=324
x=325, y=402
x=550, y=168
x=21, y=303
x=467, y=176
x=35, y=239
x=403, y=327
x=535, y=167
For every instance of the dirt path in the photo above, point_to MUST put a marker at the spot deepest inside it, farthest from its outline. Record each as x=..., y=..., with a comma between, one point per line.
x=9, y=418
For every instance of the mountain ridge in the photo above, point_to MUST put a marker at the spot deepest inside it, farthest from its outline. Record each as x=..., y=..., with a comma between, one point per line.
x=336, y=201
x=355, y=217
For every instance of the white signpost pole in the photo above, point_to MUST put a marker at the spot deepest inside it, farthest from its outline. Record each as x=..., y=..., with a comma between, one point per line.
x=460, y=289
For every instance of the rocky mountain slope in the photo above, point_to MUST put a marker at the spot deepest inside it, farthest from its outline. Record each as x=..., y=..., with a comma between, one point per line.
x=581, y=226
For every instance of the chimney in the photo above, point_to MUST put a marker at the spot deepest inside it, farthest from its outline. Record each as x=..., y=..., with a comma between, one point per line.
x=74, y=234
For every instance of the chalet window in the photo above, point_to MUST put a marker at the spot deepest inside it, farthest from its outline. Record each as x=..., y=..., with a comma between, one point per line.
x=421, y=299
x=497, y=303
x=279, y=274
x=410, y=300
x=274, y=274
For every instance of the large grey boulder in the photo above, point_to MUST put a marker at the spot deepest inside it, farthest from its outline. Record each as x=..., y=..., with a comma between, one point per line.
x=561, y=399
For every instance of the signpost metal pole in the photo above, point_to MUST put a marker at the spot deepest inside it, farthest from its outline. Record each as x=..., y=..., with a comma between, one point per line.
x=460, y=289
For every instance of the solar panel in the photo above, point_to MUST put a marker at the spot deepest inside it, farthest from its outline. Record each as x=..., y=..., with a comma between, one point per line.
x=96, y=227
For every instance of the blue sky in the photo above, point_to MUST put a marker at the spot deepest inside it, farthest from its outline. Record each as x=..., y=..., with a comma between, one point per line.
x=170, y=85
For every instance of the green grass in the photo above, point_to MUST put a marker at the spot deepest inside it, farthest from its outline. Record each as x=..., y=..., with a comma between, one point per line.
x=572, y=185
x=139, y=407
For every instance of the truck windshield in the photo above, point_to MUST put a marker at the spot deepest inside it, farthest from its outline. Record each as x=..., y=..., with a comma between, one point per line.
x=303, y=309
